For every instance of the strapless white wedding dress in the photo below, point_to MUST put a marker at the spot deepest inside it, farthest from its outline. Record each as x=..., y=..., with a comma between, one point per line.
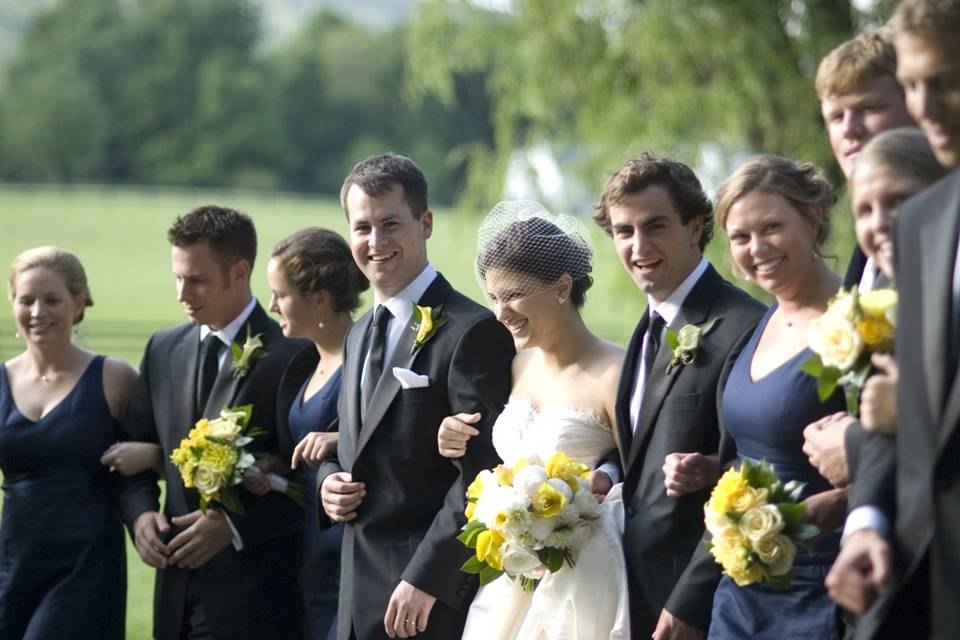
x=587, y=601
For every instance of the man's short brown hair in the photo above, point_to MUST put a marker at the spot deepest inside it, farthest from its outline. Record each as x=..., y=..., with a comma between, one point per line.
x=647, y=170
x=917, y=16
x=855, y=63
x=230, y=233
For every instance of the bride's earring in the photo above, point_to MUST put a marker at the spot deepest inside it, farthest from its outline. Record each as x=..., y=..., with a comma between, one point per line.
x=561, y=300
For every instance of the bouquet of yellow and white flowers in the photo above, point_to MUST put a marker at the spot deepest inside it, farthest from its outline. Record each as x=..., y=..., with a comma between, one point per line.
x=527, y=519
x=213, y=459
x=854, y=326
x=755, y=523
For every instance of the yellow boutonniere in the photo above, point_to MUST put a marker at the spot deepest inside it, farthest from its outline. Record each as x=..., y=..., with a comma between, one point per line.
x=426, y=321
x=243, y=356
x=686, y=343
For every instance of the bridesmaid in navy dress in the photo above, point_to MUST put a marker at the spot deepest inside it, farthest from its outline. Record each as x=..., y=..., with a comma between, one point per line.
x=315, y=287
x=62, y=569
x=774, y=211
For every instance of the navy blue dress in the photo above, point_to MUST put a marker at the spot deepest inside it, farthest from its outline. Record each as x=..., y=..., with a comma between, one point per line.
x=766, y=418
x=62, y=567
x=321, y=577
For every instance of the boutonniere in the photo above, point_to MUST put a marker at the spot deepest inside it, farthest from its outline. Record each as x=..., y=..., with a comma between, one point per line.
x=243, y=356
x=685, y=343
x=426, y=321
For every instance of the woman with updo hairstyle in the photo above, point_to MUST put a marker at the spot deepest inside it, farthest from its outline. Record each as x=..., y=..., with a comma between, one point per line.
x=315, y=288
x=62, y=567
x=775, y=214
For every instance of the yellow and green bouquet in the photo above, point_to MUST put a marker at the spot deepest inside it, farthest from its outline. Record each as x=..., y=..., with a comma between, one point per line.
x=527, y=519
x=854, y=326
x=213, y=459
x=756, y=524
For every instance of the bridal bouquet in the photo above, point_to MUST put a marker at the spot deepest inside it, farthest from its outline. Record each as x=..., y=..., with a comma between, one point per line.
x=213, y=460
x=755, y=524
x=854, y=326
x=527, y=519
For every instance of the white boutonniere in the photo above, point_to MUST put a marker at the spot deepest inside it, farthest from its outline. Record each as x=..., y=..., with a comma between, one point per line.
x=426, y=321
x=685, y=343
x=243, y=356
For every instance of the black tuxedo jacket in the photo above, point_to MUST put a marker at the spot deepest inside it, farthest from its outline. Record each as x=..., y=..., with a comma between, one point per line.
x=247, y=594
x=927, y=515
x=679, y=414
x=407, y=524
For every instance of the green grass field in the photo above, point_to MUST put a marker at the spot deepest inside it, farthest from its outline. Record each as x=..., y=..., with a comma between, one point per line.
x=120, y=235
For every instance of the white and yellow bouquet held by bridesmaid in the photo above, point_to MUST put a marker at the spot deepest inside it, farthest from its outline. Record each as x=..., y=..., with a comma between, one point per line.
x=854, y=326
x=213, y=459
x=756, y=524
x=527, y=519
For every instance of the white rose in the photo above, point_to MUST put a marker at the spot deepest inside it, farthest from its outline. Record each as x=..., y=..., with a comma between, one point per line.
x=836, y=341
x=517, y=560
x=540, y=528
x=761, y=522
x=569, y=515
x=586, y=503
x=224, y=429
x=562, y=487
x=841, y=307
x=529, y=479
x=717, y=523
x=207, y=480
x=777, y=552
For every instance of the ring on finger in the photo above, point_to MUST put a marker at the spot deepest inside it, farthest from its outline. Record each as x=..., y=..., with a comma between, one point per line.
x=409, y=621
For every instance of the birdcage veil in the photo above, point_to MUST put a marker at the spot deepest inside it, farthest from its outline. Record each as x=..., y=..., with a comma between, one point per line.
x=536, y=247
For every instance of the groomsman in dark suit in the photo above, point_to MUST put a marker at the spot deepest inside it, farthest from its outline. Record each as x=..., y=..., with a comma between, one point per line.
x=859, y=98
x=914, y=566
x=402, y=502
x=660, y=221
x=219, y=575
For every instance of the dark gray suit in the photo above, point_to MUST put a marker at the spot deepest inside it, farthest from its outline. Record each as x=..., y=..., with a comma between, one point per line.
x=407, y=524
x=679, y=414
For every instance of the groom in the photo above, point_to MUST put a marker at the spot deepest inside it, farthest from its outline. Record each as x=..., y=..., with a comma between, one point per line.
x=403, y=503
x=219, y=575
x=660, y=221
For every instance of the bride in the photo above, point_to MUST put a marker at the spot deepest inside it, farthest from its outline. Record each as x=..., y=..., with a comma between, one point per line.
x=535, y=268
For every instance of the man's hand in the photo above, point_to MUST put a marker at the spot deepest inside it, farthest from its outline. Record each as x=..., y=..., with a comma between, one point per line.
x=256, y=482
x=455, y=432
x=314, y=448
x=688, y=472
x=878, y=402
x=408, y=611
x=861, y=572
x=826, y=510
x=670, y=627
x=341, y=497
x=146, y=538
x=823, y=444
x=600, y=484
x=205, y=536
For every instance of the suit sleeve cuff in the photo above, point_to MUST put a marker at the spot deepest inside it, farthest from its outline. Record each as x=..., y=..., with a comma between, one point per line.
x=867, y=517
x=611, y=470
x=236, y=540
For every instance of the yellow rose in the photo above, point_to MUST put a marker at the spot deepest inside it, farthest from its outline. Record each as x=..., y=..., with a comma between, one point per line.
x=475, y=490
x=731, y=551
x=836, y=341
x=876, y=333
x=840, y=307
x=547, y=501
x=470, y=511
x=777, y=552
x=520, y=464
x=747, y=574
x=878, y=303
x=426, y=324
x=731, y=485
x=748, y=499
x=562, y=467
x=488, y=548
x=504, y=475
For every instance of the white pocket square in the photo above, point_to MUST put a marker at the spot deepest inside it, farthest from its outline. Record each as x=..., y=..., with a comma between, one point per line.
x=410, y=380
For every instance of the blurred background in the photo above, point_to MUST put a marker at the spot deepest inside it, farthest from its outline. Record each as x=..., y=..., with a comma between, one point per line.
x=118, y=115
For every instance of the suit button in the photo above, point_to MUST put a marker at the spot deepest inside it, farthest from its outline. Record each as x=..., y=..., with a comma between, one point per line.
x=630, y=511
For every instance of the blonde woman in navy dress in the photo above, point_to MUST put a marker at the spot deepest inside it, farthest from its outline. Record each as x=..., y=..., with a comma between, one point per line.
x=62, y=569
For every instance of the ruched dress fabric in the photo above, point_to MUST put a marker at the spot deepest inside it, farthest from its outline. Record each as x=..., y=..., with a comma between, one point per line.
x=588, y=601
x=321, y=571
x=62, y=567
x=766, y=418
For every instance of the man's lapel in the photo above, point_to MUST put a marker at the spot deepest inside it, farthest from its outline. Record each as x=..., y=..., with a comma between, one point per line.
x=625, y=390
x=356, y=351
x=942, y=294
x=183, y=363
x=227, y=384
x=388, y=385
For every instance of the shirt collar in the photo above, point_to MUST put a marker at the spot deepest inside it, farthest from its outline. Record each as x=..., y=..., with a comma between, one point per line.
x=401, y=305
x=229, y=333
x=670, y=308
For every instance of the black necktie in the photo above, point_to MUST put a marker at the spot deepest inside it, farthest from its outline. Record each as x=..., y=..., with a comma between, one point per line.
x=654, y=332
x=378, y=339
x=208, y=369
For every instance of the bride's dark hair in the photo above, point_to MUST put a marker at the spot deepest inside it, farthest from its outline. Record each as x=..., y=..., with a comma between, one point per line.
x=537, y=248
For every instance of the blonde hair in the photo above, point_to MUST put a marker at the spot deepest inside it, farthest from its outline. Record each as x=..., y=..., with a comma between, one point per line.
x=906, y=150
x=855, y=63
x=802, y=184
x=56, y=259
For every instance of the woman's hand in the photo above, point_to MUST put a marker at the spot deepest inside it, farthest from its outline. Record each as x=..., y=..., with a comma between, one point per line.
x=131, y=458
x=826, y=510
x=315, y=447
x=688, y=472
x=878, y=401
x=257, y=483
x=455, y=432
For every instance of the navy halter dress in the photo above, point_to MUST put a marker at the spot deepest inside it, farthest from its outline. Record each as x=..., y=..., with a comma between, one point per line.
x=766, y=418
x=321, y=576
x=62, y=568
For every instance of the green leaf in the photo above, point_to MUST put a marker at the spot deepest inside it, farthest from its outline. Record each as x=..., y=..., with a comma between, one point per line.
x=673, y=341
x=760, y=475
x=793, y=490
x=472, y=565
x=813, y=366
x=236, y=350
x=488, y=574
x=792, y=513
x=827, y=383
x=231, y=501
x=470, y=533
x=806, y=532
x=707, y=326
x=852, y=395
